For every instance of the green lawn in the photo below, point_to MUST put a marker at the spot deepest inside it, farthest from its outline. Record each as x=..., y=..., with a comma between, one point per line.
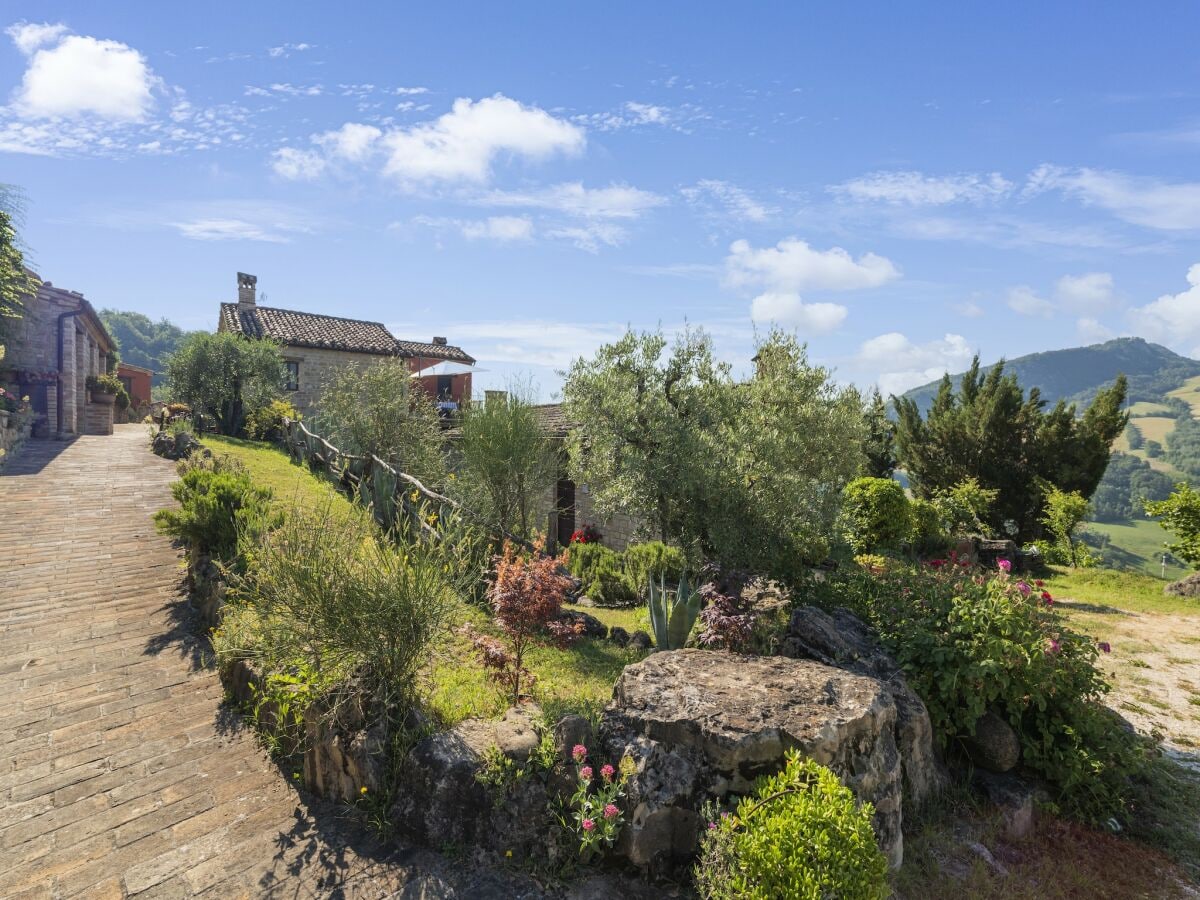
x=271, y=467
x=1137, y=545
x=1107, y=588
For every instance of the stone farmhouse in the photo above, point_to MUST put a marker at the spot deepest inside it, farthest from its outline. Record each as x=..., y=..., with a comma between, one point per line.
x=56, y=344
x=314, y=345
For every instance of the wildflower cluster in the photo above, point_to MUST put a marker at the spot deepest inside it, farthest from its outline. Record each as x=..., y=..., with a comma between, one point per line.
x=597, y=816
x=588, y=534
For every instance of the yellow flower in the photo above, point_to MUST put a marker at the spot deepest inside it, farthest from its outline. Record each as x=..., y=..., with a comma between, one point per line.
x=363, y=789
x=508, y=853
x=451, y=476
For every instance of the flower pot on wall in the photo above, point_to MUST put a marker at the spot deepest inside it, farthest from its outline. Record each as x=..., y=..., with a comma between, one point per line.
x=107, y=399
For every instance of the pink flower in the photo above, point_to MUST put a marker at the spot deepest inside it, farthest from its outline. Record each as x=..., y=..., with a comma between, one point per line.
x=589, y=825
x=712, y=826
x=586, y=773
x=1005, y=565
x=1025, y=589
x=1039, y=583
x=1105, y=646
x=610, y=811
x=606, y=772
x=579, y=752
x=1052, y=647
x=1046, y=596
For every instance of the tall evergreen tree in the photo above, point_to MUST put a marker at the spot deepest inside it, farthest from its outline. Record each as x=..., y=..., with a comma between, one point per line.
x=879, y=445
x=992, y=431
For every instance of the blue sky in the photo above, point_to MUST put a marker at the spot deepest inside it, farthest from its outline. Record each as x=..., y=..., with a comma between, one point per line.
x=903, y=186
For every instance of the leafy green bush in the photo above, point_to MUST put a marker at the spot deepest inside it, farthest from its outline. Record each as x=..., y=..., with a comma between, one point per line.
x=653, y=558
x=109, y=384
x=926, y=535
x=601, y=571
x=1180, y=515
x=266, y=422
x=874, y=514
x=334, y=593
x=800, y=836
x=969, y=644
x=965, y=507
x=217, y=497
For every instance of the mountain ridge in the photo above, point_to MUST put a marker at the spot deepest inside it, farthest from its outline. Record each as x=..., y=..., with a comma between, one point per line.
x=1075, y=374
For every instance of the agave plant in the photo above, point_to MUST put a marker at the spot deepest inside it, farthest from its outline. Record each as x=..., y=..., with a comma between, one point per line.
x=672, y=613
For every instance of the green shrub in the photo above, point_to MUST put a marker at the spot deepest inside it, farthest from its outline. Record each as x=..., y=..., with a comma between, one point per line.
x=874, y=514
x=109, y=384
x=926, y=535
x=336, y=594
x=965, y=507
x=653, y=558
x=801, y=835
x=601, y=571
x=266, y=422
x=968, y=644
x=216, y=498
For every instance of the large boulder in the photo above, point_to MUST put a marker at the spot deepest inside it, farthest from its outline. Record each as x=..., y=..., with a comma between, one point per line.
x=441, y=801
x=703, y=725
x=843, y=640
x=994, y=745
x=1186, y=587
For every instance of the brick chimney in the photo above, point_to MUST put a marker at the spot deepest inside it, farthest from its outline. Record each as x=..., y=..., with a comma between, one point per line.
x=440, y=341
x=246, y=290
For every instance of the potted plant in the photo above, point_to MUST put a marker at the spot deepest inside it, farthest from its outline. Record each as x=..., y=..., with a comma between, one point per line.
x=104, y=388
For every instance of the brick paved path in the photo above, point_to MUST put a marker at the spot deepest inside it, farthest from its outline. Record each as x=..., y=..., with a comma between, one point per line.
x=120, y=775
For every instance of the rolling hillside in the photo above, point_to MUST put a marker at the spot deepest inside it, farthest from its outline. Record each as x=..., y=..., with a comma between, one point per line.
x=1078, y=373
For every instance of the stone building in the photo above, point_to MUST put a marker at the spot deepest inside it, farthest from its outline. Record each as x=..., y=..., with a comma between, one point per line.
x=568, y=506
x=314, y=345
x=56, y=344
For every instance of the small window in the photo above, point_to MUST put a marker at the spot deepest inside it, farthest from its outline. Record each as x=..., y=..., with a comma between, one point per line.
x=293, y=377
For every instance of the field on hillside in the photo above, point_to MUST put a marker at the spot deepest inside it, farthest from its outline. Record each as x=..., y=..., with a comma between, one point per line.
x=1153, y=428
x=1137, y=545
x=1146, y=408
x=1189, y=393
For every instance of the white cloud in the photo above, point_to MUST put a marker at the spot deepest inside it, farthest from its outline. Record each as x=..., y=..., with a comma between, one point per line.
x=1173, y=319
x=504, y=229
x=228, y=230
x=555, y=344
x=907, y=365
x=591, y=235
x=287, y=50
x=633, y=114
x=733, y=202
x=792, y=266
x=1025, y=301
x=1085, y=293
x=73, y=75
x=352, y=142
x=463, y=144
x=296, y=90
x=410, y=91
x=788, y=309
x=617, y=201
x=1150, y=202
x=1091, y=331
x=969, y=309
x=918, y=189
x=28, y=36
x=297, y=165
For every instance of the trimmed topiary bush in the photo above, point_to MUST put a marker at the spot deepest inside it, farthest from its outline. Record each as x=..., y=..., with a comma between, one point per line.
x=801, y=835
x=875, y=514
x=601, y=571
x=216, y=499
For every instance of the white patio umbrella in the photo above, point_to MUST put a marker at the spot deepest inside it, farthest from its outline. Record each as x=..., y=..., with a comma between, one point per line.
x=447, y=368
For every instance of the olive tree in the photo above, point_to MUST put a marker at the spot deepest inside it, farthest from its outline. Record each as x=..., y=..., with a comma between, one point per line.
x=378, y=409
x=506, y=460
x=225, y=376
x=748, y=472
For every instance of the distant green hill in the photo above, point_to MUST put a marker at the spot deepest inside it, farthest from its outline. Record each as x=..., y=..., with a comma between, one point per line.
x=1075, y=375
x=143, y=342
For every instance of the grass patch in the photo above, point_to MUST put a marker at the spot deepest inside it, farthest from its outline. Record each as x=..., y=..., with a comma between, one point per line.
x=1137, y=545
x=292, y=485
x=578, y=679
x=1107, y=591
x=631, y=618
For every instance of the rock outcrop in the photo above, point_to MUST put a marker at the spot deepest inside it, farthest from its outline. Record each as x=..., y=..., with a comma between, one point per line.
x=843, y=640
x=994, y=745
x=703, y=725
x=1185, y=587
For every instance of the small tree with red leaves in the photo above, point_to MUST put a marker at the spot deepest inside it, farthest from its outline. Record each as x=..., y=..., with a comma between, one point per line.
x=526, y=598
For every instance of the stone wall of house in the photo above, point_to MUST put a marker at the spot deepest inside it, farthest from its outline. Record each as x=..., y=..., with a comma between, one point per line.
x=316, y=369
x=618, y=531
x=12, y=436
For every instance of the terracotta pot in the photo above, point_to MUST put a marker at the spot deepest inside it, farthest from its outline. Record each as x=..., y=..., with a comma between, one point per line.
x=107, y=399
